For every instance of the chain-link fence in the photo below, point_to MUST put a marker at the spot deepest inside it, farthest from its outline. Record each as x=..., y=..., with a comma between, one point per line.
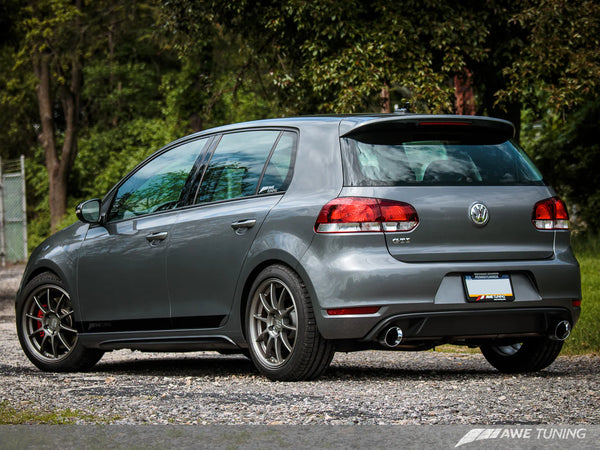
x=13, y=218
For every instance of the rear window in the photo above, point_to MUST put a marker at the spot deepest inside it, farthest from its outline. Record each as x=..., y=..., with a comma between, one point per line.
x=437, y=163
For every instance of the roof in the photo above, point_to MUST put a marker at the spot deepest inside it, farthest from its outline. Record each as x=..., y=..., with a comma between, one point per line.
x=351, y=124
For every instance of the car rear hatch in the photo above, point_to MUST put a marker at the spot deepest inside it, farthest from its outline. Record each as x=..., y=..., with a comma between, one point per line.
x=473, y=189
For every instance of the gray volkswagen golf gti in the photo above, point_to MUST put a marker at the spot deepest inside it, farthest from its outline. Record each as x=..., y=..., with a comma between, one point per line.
x=289, y=239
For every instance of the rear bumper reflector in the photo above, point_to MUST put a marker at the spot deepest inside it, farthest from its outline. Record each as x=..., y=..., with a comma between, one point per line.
x=353, y=311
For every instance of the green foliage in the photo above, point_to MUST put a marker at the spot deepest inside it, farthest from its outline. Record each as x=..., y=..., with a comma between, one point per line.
x=586, y=334
x=560, y=60
x=121, y=92
x=152, y=71
x=222, y=79
x=567, y=151
x=38, y=216
x=109, y=154
x=124, y=70
x=336, y=56
x=17, y=91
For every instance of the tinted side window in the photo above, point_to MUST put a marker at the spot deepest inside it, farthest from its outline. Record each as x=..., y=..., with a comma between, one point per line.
x=156, y=186
x=236, y=165
x=278, y=173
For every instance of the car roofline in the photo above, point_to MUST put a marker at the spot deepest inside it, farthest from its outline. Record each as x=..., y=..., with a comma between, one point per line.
x=350, y=124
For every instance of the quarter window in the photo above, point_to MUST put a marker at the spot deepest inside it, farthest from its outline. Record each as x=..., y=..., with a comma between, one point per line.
x=278, y=173
x=158, y=185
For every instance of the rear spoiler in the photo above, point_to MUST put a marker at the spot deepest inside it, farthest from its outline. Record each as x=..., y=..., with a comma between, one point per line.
x=423, y=126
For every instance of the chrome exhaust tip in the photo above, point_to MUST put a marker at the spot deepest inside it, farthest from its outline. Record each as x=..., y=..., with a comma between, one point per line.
x=562, y=330
x=392, y=337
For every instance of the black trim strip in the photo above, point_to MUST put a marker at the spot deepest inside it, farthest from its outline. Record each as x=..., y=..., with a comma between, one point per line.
x=167, y=323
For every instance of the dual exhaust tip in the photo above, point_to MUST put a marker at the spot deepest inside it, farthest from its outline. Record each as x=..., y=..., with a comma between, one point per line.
x=392, y=337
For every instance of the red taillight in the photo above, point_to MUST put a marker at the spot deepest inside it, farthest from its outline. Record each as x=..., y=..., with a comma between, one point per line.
x=398, y=216
x=353, y=311
x=550, y=214
x=362, y=214
x=576, y=303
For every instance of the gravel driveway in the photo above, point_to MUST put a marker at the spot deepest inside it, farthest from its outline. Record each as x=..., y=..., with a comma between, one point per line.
x=360, y=388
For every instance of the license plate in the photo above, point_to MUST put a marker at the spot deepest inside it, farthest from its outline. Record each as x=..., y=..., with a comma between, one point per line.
x=488, y=287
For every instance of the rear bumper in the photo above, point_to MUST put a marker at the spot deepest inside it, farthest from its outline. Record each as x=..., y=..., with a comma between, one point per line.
x=456, y=326
x=451, y=324
x=430, y=297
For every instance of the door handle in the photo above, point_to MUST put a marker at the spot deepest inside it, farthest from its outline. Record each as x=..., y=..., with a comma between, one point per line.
x=159, y=236
x=248, y=223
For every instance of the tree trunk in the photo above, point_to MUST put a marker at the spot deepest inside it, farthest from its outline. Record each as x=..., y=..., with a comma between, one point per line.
x=386, y=106
x=58, y=167
x=56, y=189
x=463, y=92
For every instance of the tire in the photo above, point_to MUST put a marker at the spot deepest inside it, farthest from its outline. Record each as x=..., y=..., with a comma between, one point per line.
x=530, y=355
x=283, y=339
x=46, y=327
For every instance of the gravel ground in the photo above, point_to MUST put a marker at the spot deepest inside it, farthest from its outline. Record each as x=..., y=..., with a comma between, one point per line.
x=360, y=388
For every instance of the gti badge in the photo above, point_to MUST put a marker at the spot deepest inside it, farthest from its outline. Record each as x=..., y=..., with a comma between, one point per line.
x=479, y=214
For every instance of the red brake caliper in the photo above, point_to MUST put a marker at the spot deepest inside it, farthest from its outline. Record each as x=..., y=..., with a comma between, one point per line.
x=40, y=314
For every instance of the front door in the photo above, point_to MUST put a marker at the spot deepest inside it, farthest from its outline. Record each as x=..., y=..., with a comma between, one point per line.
x=122, y=283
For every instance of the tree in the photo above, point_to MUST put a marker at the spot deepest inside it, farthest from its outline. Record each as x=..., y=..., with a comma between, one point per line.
x=17, y=88
x=53, y=45
x=224, y=77
x=95, y=68
x=558, y=65
x=100, y=85
x=568, y=152
x=503, y=55
x=346, y=56
x=556, y=75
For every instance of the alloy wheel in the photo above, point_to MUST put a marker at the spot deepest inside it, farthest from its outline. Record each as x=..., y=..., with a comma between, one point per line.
x=48, y=323
x=273, y=323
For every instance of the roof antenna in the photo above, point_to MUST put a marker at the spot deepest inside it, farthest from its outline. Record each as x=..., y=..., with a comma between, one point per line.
x=403, y=110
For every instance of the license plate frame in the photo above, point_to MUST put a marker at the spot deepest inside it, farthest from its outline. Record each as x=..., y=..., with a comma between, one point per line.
x=484, y=287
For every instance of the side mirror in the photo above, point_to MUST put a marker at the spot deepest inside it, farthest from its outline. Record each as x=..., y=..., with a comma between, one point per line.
x=89, y=211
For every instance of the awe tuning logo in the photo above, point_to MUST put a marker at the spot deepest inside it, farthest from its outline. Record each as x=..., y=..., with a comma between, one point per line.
x=481, y=434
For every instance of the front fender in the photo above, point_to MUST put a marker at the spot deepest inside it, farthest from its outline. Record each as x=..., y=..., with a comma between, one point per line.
x=58, y=254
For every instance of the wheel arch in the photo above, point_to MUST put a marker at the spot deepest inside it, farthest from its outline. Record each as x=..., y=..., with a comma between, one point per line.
x=248, y=285
x=307, y=354
x=39, y=271
x=49, y=266
x=279, y=259
x=43, y=267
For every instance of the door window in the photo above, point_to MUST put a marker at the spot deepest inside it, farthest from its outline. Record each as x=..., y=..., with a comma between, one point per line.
x=237, y=165
x=158, y=185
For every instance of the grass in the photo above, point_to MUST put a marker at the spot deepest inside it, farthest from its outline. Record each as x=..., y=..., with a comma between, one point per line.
x=29, y=416
x=586, y=334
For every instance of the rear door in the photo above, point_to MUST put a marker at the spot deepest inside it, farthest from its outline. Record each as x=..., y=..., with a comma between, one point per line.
x=473, y=189
x=246, y=176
